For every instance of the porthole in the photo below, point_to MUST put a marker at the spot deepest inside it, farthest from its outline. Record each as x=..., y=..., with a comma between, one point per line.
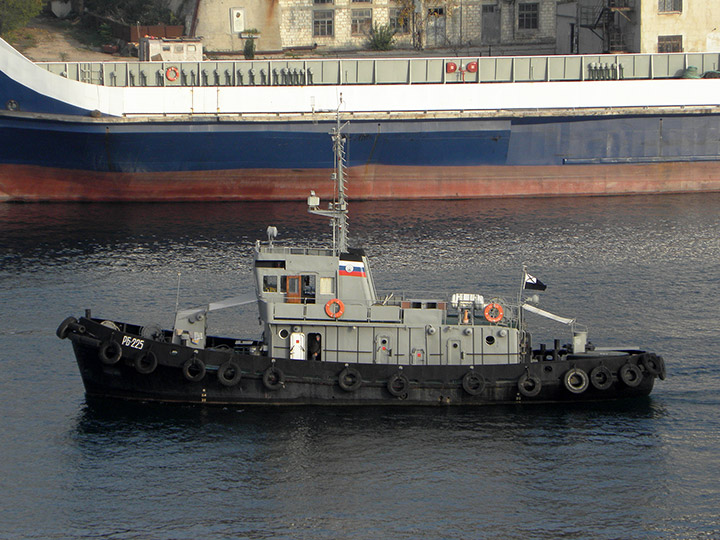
x=490, y=340
x=283, y=333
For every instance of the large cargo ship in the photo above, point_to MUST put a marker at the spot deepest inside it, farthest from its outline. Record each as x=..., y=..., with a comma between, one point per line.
x=458, y=127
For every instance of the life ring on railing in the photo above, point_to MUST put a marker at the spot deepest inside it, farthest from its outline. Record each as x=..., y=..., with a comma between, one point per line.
x=331, y=311
x=172, y=73
x=471, y=67
x=494, y=312
x=450, y=67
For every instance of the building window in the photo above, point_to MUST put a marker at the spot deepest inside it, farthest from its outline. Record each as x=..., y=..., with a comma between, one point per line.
x=361, y=21
x=323, y=22
x=667, y=44
x=666, y=6
x=528, y=16
x=367, y=1
x=399, y=21
x=323, y=1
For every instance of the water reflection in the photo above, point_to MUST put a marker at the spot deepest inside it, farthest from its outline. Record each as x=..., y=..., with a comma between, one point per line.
x=636, y=270
x=317, y=471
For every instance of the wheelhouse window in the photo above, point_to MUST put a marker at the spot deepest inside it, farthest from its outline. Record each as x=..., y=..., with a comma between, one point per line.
x=669, y=44
x=270, y=283
x=399, y=22
x=323, y=22
x=297, y=289
x=669, y=6
x=361, y=21
x=528, y=16
x=327, y=285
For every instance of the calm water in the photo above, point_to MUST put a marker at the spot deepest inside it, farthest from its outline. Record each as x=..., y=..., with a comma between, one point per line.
x=637, y=270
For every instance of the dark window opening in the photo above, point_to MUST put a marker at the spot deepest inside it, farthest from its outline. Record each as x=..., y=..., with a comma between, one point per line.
x=270, y=283
x=399, y=22
x=669, y=44
x=361, y=21
x=323, y=22
x=528, y=16
x=669, y=6
x=314, y=348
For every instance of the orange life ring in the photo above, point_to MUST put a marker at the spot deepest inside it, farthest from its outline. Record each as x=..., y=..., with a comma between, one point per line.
x=472, y=67
x=498, y=312
x=331, y=311
x=172, y=73
x=450, y=67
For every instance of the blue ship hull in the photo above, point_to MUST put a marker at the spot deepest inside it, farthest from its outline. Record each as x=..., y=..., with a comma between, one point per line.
x=56, y=144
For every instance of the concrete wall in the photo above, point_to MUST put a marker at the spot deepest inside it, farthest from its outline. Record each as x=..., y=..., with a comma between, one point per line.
x=287, y=24
x=215, y=24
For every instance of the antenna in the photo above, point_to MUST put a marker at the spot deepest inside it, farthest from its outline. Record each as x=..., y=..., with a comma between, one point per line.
x=177, y=296
x=337, y=211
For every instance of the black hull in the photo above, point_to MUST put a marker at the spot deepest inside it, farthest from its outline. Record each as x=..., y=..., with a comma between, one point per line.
x=183, y=375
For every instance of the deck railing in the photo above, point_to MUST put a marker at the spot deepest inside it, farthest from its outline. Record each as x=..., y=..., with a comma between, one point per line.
x=455, y=70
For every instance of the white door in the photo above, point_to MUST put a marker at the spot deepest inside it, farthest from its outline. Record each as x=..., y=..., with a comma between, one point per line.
x=297, y=346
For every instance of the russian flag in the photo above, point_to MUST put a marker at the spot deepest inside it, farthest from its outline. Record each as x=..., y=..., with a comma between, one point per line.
x=352, y=268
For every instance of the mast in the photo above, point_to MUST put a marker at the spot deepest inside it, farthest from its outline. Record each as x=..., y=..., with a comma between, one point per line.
x=338, y=209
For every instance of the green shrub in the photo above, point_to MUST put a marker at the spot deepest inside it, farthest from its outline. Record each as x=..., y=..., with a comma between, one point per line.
x=249, y=50
x=17, y=13
x=381, y=38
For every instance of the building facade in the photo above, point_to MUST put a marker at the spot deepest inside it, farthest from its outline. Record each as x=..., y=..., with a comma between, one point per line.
x=639, y=26
x=483, y=26
x=679, y=26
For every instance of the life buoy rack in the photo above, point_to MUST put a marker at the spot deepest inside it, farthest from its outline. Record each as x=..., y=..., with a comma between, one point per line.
x=172, y=73
x=472, y=67
x=332, y=312
x=494, y=312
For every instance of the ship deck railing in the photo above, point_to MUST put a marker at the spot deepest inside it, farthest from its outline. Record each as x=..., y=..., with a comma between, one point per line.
x=372, y=71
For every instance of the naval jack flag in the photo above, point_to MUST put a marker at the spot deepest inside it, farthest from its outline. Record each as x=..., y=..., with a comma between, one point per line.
x=531, y=282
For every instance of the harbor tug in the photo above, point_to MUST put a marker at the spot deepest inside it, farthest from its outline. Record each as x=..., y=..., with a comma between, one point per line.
x=329, y=338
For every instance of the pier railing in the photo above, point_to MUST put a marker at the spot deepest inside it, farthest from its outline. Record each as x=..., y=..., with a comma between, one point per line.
x=449, y=70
